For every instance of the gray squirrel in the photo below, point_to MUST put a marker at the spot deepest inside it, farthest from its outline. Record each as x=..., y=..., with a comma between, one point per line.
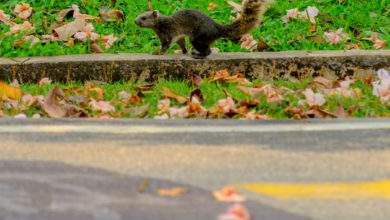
x=201, y=29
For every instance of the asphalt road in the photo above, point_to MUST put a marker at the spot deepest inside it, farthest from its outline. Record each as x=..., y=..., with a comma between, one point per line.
x=71, y=169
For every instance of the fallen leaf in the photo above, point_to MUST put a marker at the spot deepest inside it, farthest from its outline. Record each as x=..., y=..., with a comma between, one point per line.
x=10, y=92
x=182, y=112
x=197, y=80
x=268, y=90
x=112, y=15
x=26, y=27
x=228, y=194
x=172, y=192
x=247, y=42
x=95, y=48
x=28, y=100
x=36, y=116
x=261, y=45
x=290, y=14
x=108, y=40
x=378, y=43
x=15, y=83
x=310, y=13
x=235, y=212
x=30, y=38
x=195, y=108
x=68, y=30
x=101, y=106
x=164, y=105
x=51, y=105
x=224, y=76
x=167, y=92
x=340, y=112
x=123, y=95
x=382, y=86
x=138, y=111
x=5, y=18
x=78, y=15
x=323, y=82
x=314, y=99
x=21, y=116
x=87, y=34
x=44, y=81
x=23, y=11
x=335, y=37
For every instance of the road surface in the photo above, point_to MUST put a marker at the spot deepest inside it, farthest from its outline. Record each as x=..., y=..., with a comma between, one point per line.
x=81, y=169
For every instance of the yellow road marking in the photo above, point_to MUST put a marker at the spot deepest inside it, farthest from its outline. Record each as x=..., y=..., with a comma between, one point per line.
x=338, y=190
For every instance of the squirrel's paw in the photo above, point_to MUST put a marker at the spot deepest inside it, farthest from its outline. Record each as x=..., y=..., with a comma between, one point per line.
x=196, y=55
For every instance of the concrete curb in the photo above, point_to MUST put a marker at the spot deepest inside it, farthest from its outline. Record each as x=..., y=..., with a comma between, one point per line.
x=144, y=67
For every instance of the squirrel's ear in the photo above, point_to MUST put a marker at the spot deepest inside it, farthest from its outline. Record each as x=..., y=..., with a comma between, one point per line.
x=155, y=13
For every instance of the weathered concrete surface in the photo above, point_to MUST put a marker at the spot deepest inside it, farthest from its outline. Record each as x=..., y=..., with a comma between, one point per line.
x=91, y=169
x=144, y=67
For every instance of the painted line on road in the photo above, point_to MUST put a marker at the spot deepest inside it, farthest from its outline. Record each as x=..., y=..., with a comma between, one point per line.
x=325, y=191
x=136, y=129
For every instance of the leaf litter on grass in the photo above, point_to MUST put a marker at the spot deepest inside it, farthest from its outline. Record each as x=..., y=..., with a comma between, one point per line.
x=222, y=95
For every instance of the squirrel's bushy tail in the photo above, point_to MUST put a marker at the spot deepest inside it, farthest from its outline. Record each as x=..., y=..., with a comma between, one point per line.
x=250, y=17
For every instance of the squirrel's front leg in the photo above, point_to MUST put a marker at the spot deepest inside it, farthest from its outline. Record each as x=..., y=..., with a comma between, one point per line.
x=165, y=44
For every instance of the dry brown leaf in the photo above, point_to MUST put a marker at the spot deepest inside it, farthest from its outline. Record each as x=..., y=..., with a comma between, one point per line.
x=108, y=40
x=23, y=10
x=261, y=45
x=323, y=82
x=314, y=99
x=34, y=40
x=5, y=18
x=68, y=30
x=341, y=113
x=228, y=194
x=95, y=48
x=44, y=81
x=172, y=192
x=26, y=27
x=52, y=106
x=102, y=106
x=10, y=92
x=167, y=92
x=378, y=43
x=78, y=15
x=248, y=42
x=313, y=28
x=112, y=15
x=224, y=75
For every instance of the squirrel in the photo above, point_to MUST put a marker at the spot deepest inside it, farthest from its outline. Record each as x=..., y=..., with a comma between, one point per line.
x=201, y=29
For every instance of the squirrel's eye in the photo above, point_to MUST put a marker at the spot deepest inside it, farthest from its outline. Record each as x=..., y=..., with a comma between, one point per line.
x=143, y=18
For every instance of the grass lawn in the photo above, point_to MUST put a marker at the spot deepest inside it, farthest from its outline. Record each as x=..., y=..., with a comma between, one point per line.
x=357, y=17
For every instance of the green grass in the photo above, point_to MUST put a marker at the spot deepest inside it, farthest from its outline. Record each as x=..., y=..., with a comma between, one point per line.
x=367, y=105
x=355, y=16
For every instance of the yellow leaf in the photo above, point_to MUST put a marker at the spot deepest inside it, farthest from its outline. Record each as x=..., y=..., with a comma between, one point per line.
x=10, y=91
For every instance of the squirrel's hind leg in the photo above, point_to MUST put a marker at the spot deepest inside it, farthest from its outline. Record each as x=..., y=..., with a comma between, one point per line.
x=200, y=49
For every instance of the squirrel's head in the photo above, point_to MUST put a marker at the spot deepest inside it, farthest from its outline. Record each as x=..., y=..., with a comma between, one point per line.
x=147, y=19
